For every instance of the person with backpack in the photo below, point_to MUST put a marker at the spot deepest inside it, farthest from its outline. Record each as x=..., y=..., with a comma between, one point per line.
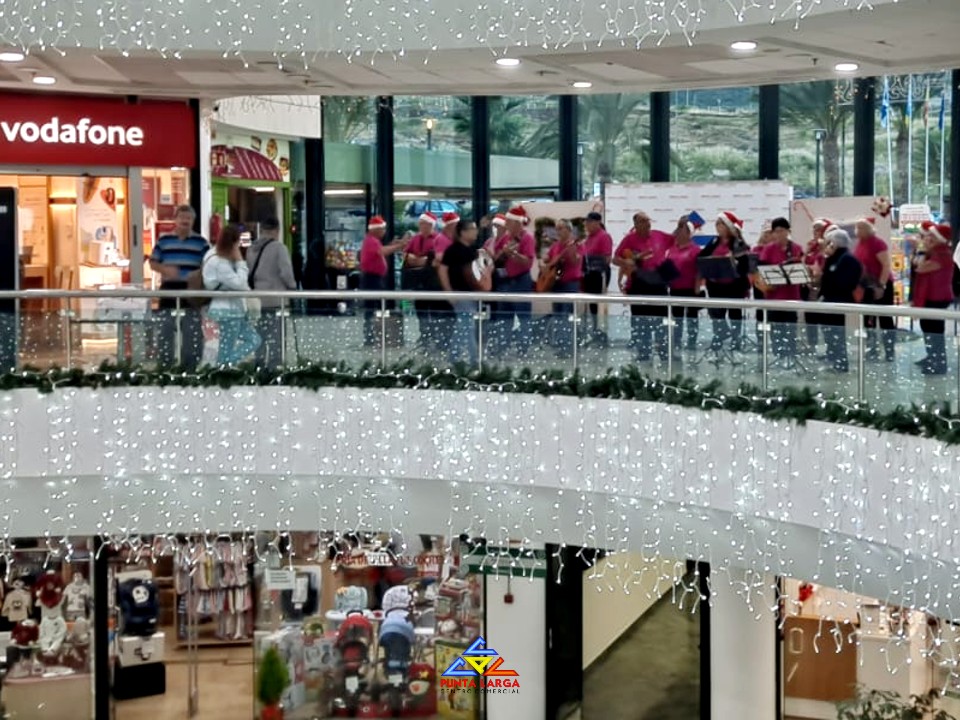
x=225, y=269
x=270, y=269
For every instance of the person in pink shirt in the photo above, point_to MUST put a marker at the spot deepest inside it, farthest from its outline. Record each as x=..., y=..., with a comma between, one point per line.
x=814, y=258
x=639, y=256
x=597, y=255
x=729, y=242
x=420, y=273
x=373, y=271
x=683, y=254
x=933, y=288
x=874, y=255
x=513, y=256
x=564, y=257
x=781, y=250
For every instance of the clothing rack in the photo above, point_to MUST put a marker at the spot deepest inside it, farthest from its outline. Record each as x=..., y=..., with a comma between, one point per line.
x=214, y=590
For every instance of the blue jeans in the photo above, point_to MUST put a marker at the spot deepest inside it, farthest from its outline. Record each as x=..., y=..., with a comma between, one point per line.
x=502, y=333
x=464, y=337
x=237, y=339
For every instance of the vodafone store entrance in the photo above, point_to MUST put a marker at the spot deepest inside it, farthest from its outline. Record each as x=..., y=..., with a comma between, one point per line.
x=95, y=181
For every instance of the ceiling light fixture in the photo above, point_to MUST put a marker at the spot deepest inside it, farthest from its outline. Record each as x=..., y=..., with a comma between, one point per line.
x=11, y=57
x=582, y=84
x=508, y=62
x=743, y=45
x=846, y=67
x=44, y=80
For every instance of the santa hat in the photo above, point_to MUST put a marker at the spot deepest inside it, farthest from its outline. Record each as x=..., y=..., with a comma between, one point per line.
x=731, y=221
x=823, y=223
x=517, y=213
x=376, y=223
x=499, y=220
x=428, y=217
x=450, y=218
x=942, y=232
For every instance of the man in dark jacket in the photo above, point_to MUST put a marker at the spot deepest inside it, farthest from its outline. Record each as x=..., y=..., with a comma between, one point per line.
x=841, y=277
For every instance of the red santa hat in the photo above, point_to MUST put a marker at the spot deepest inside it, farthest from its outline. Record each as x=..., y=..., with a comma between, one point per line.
x=823, y=223
x=376, y=223
x=518, y=213
x=942, y=231
x=450, y=218
x=428, y=217
x=731, y=221
x=499, y=220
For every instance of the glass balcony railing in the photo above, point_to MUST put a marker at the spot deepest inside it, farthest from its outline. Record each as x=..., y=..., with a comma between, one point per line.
x=839, y=350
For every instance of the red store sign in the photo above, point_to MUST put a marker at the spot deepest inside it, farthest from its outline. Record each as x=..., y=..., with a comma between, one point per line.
x=85, y=131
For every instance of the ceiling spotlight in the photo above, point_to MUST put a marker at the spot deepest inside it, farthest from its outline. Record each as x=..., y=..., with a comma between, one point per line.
x=508, y=62
x=11, y=57
x=743, y=45
x=846, y=67
x=44, y=80
x=582, y=84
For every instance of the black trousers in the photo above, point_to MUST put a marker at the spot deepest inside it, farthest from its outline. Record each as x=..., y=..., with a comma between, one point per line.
x=647, y=331
x=783, y=332
x=934, y=339
x=887, y=325
x=727, y=322
x=686, y=319
x=371, y=327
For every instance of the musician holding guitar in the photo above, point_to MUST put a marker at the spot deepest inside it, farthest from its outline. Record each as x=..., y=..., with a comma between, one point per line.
x=513, y=255
x=562, y=272
x=638, y=256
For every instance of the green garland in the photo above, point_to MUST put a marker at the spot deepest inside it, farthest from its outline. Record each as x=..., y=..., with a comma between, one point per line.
x=798, y=405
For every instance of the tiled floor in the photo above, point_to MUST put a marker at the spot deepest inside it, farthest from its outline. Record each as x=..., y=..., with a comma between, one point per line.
x=339, y=339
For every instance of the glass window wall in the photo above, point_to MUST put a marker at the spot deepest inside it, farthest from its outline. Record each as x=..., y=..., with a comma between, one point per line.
x=714, y=135
x=614, y=133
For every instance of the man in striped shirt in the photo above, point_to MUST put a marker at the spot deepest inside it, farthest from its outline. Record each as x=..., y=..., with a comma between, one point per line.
x=174, y=257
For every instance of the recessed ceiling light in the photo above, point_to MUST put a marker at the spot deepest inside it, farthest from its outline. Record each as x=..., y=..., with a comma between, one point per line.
x=582, y=84
x=743, y=45
x=508, y=62
x=11, y=57
x=846, y=67
x=44, y=80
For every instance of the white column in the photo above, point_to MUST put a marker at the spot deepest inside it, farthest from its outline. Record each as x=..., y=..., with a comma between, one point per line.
x=517, y=630
x=742, y=653
x=205, y=143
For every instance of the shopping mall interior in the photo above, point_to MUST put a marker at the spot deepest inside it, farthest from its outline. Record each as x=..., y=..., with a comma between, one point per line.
x=708, y=472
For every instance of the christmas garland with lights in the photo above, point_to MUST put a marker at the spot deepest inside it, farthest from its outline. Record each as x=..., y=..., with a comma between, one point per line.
x=798, y=405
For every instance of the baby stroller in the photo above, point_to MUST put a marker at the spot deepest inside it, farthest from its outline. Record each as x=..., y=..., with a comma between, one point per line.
x=397, y=638
x=354, y=638
x=398, y=597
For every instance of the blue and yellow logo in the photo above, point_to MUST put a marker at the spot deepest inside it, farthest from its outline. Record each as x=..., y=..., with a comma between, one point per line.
x=481, y=667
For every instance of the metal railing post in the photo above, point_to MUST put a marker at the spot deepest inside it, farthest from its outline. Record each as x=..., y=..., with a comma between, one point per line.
x=178, y=333
x=479, y=319
x=383, y=332
x=283, y=313
x=861, y=359
x=68, y=334
x=669, y=322
x=764, y=328
x=575, y=319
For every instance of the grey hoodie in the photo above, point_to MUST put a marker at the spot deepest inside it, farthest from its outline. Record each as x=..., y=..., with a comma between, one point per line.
x=274, y=271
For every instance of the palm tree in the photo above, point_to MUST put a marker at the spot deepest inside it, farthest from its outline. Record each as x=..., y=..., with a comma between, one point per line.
x=817, y=104
x=603, y=120
x=507, y=128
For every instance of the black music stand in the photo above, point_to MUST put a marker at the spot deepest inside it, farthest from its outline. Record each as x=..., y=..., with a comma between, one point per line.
x=785, y=275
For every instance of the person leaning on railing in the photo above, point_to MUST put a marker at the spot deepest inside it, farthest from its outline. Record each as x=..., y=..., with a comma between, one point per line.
x=838, y=283
x=933, y=288
x=874, y=254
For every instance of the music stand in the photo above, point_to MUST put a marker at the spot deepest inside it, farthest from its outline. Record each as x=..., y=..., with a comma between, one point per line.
x=718, y=269
x=787, y=275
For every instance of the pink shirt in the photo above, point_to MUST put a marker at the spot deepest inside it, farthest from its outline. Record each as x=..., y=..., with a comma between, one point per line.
x=814, y=254
x=525, y=246
x=440, y=244
x=685, y=259
x=372, y=260
x=600, y=243
x=866, y=252
x=421, y=245
x=936, y=286
x=632, y=244
x=775, y=254
x=573, y=262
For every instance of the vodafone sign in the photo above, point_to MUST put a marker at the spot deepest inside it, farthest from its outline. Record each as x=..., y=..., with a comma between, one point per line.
x=79, y=131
